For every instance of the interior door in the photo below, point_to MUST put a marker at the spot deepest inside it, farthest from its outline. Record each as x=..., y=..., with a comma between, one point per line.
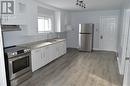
x=108, y=33
x=126, y=81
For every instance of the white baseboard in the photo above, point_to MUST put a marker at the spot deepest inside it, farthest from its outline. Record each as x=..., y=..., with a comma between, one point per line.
x=97, y=49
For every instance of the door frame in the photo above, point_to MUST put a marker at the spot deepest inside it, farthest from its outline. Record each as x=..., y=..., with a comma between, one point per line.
x=125, y=81
x=127, y=54
x=124, y=41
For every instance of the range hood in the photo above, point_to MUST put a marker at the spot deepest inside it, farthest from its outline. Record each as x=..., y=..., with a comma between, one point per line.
x=10, y=28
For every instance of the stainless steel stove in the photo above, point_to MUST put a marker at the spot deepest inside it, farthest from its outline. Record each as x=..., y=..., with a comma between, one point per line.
x=18, y=64
x=13, y=51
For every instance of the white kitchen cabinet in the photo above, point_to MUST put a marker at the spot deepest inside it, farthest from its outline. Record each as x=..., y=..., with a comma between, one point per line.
x=61, y=19
x=60, y=48
x=46, y=54
x=63, y=47
x=19, y=16
x=50, y=52
x=36, y=59
x=44, y=59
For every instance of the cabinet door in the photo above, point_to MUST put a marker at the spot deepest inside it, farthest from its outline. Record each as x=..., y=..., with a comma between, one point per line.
x=53, y=51
x=44, y=58
x=48, y=53
x=57, y=50
x=36, y=59
x=61, y=48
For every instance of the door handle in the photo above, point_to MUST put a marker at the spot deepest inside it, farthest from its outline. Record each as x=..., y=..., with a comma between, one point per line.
x=127, y=58
x=101, y=37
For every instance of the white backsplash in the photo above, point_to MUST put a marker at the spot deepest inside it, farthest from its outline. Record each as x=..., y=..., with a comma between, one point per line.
x=16, y=38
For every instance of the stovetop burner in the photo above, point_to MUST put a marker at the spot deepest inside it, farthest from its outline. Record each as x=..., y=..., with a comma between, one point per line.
x=15, y=50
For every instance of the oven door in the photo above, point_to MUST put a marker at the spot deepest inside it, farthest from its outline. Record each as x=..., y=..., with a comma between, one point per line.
x=19, y=65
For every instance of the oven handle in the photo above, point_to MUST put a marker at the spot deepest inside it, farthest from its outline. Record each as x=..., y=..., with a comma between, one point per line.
x=20, y=57
x=10, y=69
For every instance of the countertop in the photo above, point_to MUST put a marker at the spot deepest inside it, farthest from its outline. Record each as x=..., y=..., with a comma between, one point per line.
x=39, y=44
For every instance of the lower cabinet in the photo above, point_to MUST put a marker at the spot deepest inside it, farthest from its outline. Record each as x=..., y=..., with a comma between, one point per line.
x=46, y=54
x=36, y=59
x=60, y=49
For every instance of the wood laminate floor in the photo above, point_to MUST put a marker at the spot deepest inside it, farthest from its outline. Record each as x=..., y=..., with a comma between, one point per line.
x=78, y=69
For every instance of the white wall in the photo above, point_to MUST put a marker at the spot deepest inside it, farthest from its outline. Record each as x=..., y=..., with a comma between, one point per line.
x=18, y=37
x=29, y=31
x=126, y=4
x=87, y=17
x=2, y=65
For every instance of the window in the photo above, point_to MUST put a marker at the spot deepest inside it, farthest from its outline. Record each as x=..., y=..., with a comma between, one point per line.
x=44, y=24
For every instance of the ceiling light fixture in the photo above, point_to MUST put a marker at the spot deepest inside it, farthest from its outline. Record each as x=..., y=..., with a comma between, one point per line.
x=81, y=3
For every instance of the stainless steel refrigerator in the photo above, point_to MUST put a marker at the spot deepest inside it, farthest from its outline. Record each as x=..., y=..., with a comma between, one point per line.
x=86, y=33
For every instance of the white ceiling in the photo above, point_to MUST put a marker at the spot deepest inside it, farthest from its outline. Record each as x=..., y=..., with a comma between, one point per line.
x=91, y=4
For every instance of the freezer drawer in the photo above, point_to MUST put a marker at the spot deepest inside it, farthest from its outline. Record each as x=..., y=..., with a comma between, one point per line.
x=85, y=42
x=86, y=28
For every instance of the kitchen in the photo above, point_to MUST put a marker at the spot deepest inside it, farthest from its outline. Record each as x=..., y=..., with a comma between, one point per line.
x=24, y=37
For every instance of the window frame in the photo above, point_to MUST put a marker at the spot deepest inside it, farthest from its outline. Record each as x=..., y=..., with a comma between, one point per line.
x=49, y=17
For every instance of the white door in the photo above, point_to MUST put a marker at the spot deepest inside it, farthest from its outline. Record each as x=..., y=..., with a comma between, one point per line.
x=126, y=81
x=108, y=33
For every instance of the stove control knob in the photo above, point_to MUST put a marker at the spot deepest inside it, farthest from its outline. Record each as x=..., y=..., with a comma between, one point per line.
x=13, y=54
x=26, y=50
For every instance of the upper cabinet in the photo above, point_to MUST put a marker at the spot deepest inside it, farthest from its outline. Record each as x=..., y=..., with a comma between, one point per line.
x=31, y=18
x=61, y=21
x=19, y=16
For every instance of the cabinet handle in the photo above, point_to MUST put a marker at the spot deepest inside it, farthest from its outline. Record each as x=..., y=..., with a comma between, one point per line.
x=41, y=55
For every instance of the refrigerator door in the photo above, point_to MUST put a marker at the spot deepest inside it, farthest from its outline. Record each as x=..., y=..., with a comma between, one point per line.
x=86, y=28
x=85, y=42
